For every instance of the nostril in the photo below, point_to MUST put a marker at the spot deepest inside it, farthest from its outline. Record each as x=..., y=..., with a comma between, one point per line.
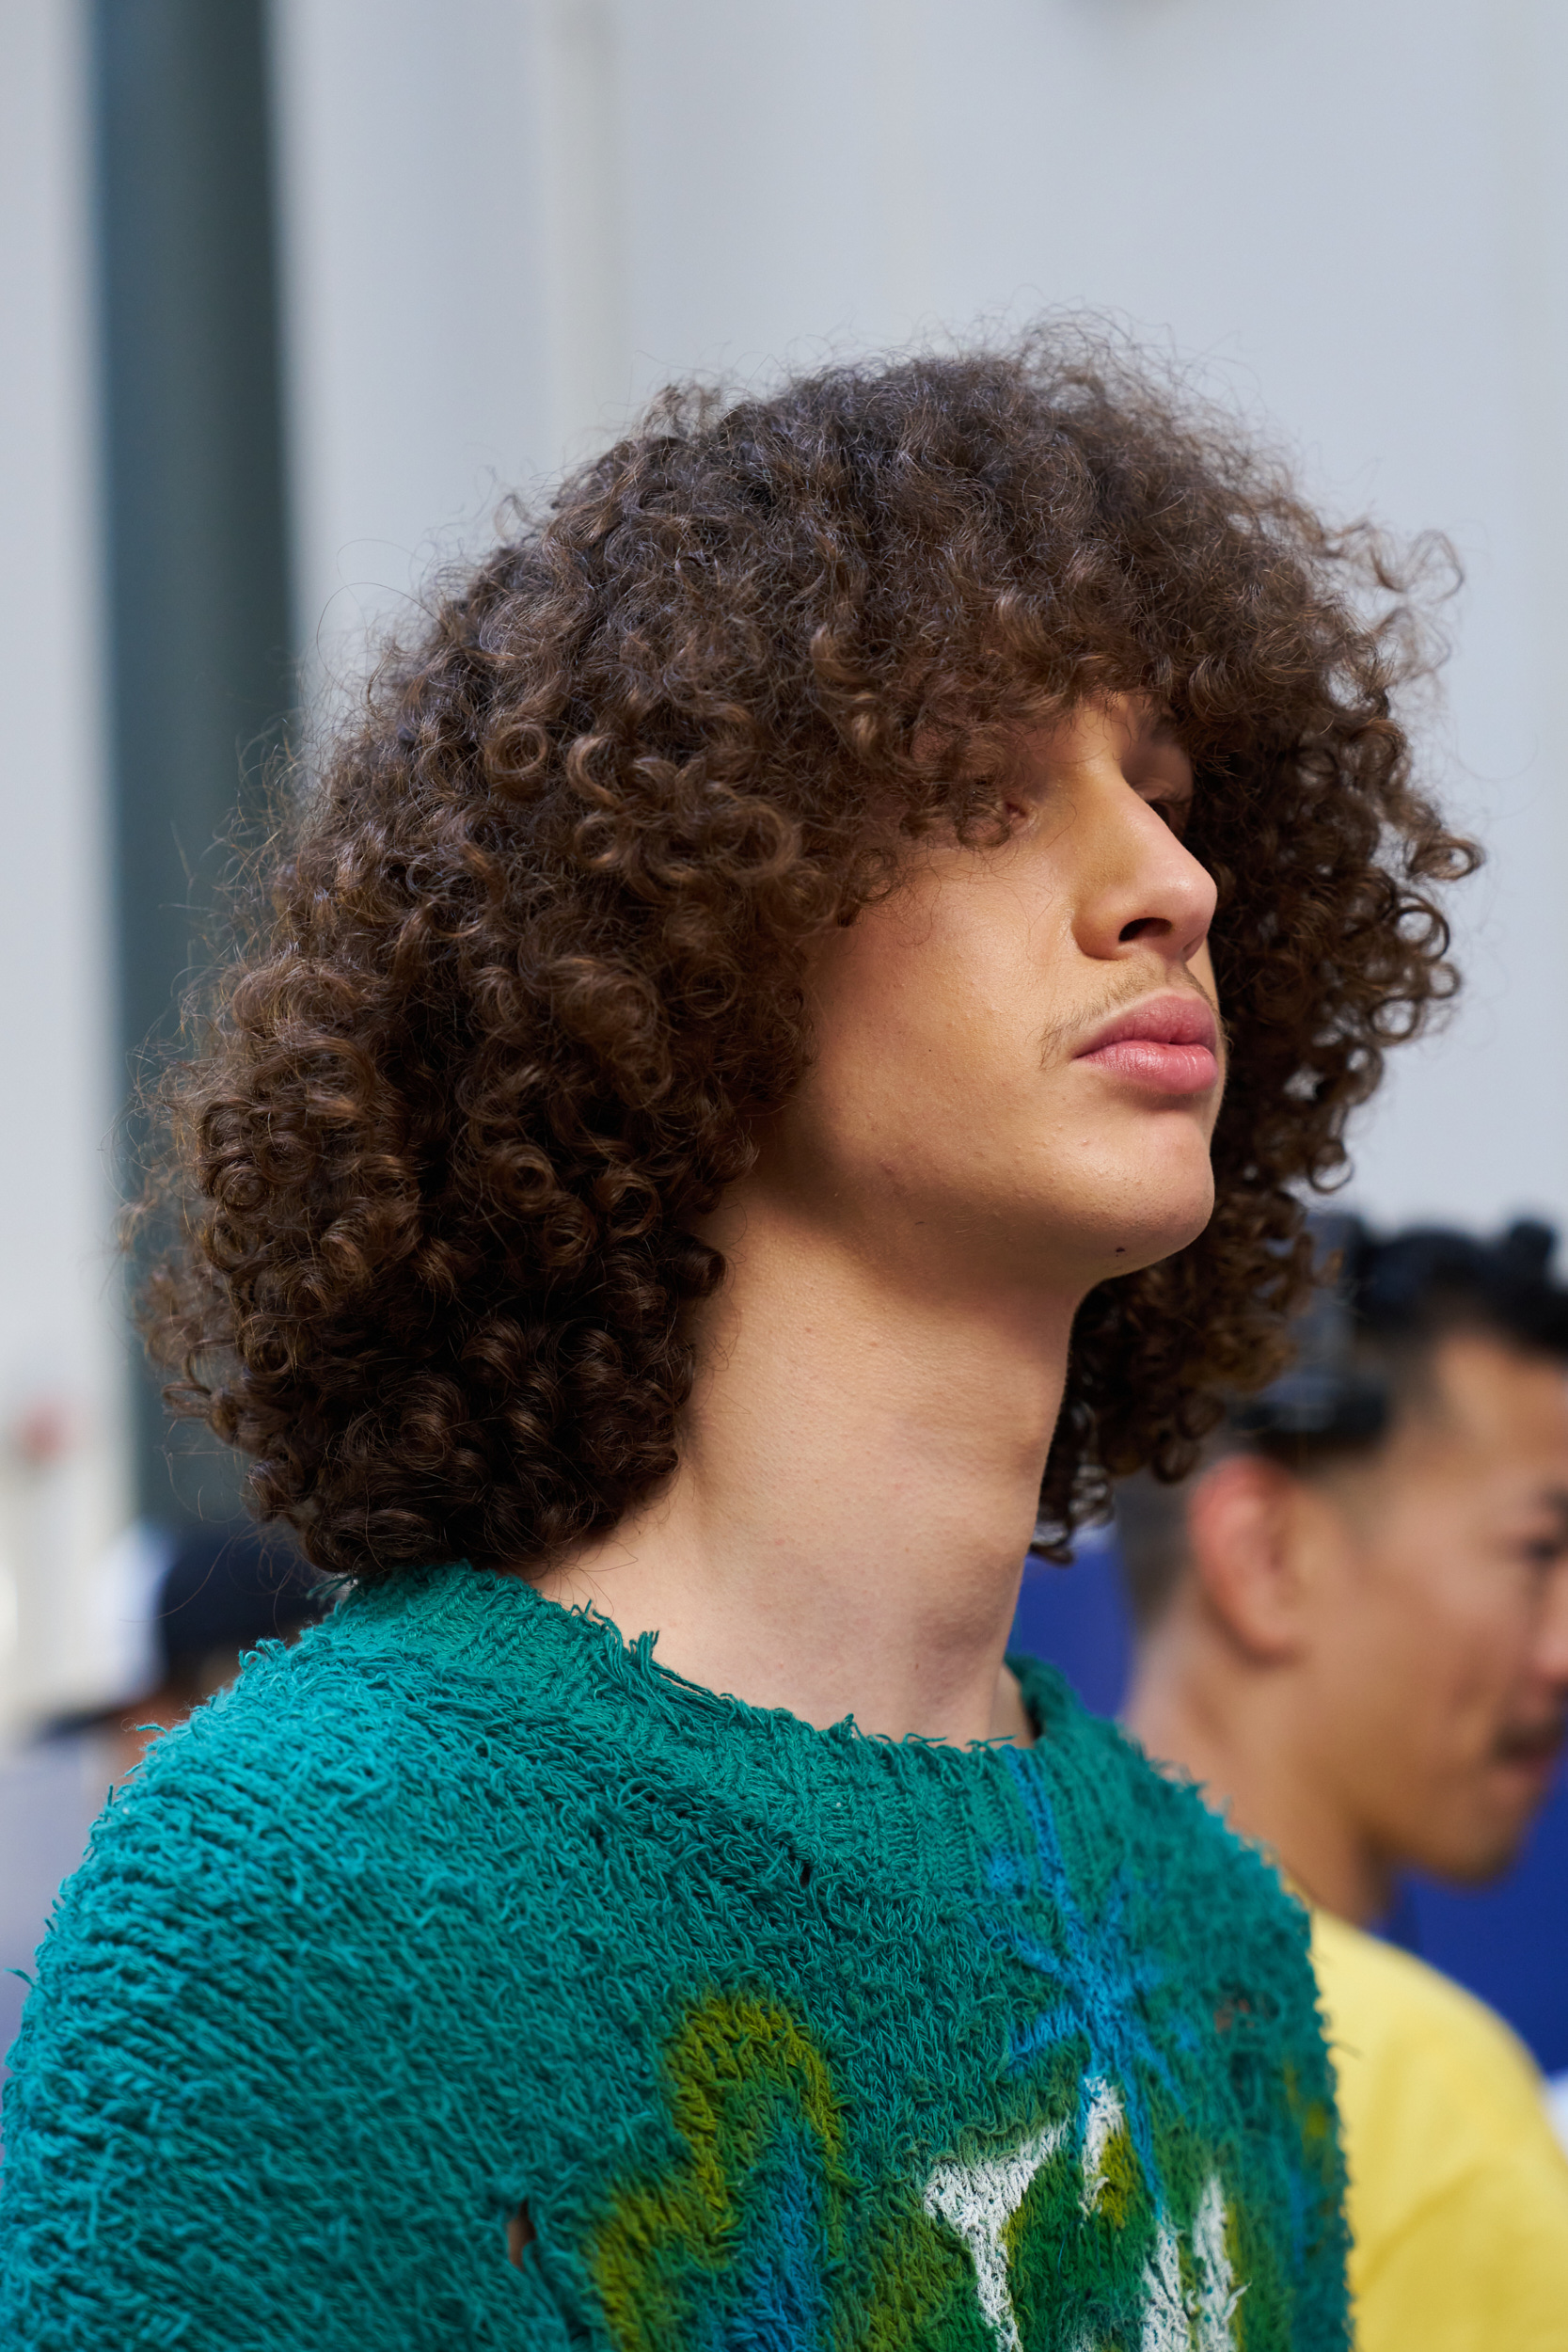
x=520, y=2234
x=1147, y=926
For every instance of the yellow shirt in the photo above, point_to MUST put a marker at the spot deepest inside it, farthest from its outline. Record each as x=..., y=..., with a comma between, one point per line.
x=1458, y=2187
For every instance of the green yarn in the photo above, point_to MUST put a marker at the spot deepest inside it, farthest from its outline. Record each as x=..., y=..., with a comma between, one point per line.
x=743, y=2077
x=790, y=2041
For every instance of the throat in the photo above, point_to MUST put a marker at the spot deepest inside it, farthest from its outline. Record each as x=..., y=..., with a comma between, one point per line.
x=774, y=1624
x=858, y=1484
x=859, y=1479
x=1010, y=1717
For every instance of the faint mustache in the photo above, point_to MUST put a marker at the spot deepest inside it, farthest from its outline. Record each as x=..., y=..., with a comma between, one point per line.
x=1532, y=1743
x=1060, y=1040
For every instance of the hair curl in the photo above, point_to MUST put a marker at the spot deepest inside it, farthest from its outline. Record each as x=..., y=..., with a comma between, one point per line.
x=533, y=966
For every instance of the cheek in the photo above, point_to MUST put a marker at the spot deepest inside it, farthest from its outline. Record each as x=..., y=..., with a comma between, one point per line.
x=918, y=1011
x=1409, y=1639
x=1468, y=1639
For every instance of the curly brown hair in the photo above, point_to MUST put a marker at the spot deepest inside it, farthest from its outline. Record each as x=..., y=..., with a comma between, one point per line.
x=534, y=961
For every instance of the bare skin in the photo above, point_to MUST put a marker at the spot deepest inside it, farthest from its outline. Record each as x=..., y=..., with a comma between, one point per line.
x=1370, y=1670
x=881, y=1372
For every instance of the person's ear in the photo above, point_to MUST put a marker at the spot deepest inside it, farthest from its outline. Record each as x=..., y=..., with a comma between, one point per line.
x=1243, y=1523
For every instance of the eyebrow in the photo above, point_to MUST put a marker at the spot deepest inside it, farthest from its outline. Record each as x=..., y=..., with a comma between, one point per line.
x=1161, y=734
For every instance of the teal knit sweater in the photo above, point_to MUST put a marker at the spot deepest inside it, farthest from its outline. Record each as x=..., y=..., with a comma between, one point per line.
x=789, y=2041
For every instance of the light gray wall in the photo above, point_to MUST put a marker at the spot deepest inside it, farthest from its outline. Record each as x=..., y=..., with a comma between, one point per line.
x=510, y=219
x=62, y=1488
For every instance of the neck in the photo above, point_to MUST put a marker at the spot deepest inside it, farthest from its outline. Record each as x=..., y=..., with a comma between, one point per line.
x=1246, y=1735
x=859, y=1480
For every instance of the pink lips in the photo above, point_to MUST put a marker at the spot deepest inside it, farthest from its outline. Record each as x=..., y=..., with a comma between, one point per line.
x=1168, y=1044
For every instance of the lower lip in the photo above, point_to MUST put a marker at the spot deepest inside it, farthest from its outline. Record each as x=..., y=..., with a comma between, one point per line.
x=1536, y=1765
x=1144, y=1061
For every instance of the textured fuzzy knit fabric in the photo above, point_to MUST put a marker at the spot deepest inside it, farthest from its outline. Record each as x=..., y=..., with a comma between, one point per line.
x=789, y=2041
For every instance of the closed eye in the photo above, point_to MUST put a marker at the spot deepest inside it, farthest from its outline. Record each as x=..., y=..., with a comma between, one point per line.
x=1160, y=771
x=1175, y=809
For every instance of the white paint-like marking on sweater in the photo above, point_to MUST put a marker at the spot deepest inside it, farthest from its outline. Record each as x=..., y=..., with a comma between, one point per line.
x=1102, y=2123
x=1218, y=2294
x=977, y=2202
x=1164, y=2327
x=1169, y=2311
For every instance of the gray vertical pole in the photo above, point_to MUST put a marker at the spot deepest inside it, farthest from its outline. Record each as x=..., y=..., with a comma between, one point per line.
x=197, y=554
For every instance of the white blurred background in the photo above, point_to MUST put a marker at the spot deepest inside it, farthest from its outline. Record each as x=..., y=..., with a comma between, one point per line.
x=496, y=225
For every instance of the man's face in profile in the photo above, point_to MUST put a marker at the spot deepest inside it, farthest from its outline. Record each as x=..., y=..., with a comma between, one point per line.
x=1444, y=1633
x=1019, y=1064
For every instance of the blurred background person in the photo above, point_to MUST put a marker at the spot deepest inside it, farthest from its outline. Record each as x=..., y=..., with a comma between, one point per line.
x=1352, y=1632
x=224, y=1590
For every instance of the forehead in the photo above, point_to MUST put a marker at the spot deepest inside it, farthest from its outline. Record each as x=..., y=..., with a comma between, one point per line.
x=1127, y=727
x=1496, y=1403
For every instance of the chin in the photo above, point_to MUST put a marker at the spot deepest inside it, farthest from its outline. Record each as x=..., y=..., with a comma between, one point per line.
x=1475, y=1869
x=1151, y=1220
x=1479, y=1860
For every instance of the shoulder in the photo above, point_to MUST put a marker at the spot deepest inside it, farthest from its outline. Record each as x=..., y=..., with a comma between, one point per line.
x=1175, y=1910
x=332, y=1781
x=298, y=1924
x=1186, y=1864
x=1163, y=1810
x=370, y=1789
x=418, y=1676
x=1458, y=2188
x=1401, y=2030
x=306, y=1734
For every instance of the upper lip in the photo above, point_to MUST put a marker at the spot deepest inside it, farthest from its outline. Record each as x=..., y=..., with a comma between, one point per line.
x=1180, y=1017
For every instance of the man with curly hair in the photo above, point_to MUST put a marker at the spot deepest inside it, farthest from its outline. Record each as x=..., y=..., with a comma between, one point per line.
x=718, y=1135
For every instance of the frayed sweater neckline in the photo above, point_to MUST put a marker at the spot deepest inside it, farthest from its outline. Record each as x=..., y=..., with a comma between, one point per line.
x=501, y=1626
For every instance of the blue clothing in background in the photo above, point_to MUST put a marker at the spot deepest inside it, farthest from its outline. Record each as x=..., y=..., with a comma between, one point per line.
x=1508, y=1942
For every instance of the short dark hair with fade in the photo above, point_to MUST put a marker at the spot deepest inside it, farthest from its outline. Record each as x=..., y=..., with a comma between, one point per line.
x=1364, y=1358
x=532, y=963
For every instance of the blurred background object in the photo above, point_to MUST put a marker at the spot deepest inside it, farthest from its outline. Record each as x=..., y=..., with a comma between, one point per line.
x=196, y=1603
x=295, y=291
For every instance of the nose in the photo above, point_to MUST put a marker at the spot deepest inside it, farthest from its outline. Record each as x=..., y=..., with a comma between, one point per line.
x=1140, y=888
